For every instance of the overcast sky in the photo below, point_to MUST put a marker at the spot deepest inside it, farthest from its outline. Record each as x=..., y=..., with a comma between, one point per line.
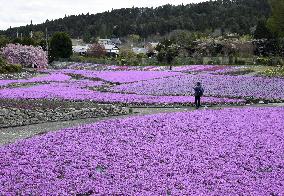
x=20, y=12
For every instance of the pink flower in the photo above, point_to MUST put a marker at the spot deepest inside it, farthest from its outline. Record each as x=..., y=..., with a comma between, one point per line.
x=27, y=56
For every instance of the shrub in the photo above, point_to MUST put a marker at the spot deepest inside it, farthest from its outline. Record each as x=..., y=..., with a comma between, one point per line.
x=127, y=57
x=270, y=61
x=17, y=41
x=240, y=62
x=27, y=41
x=27, y=56
x=168, y=51
x=278, y=71
x=3, y=41
x=60, y=46
x=8, y=68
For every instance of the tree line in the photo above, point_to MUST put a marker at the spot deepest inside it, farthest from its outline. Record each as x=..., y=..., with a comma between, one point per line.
x=225, y=16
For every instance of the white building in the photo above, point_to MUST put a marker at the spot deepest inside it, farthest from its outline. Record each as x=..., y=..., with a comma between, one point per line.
x=111, y=49
x=108, y=45
x=105, y=42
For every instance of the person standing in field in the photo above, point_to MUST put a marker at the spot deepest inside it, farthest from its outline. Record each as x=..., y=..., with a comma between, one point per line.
x=198, y=93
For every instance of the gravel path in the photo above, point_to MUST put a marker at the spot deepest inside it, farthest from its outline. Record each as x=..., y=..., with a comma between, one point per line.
x=12, y=134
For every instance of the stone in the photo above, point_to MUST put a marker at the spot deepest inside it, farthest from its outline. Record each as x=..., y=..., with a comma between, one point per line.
x=2, y=120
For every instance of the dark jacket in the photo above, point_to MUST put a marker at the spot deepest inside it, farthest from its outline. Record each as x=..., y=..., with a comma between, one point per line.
x=198, y=91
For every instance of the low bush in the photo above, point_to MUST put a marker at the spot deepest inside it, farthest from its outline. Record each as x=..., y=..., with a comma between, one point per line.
x=270, y=61
x=9, y=68
x=277, y=71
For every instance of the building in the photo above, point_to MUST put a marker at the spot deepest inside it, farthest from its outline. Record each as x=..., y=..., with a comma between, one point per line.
x=105, y=42
x=116, y=41
x=82, y=50
x=78, y=42
x=111, y=48
x=151, y=48
x=79, y=47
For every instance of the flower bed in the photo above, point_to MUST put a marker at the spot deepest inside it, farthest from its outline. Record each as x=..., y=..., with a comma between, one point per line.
x=215, y=85
x=76, y=90
x=201, y=68
x=184, y=68
x=122, y=76
x=53, y=77
x=102, y=67
x=192, y=153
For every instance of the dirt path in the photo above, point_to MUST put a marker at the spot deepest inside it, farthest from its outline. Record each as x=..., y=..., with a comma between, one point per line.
x=10, y=135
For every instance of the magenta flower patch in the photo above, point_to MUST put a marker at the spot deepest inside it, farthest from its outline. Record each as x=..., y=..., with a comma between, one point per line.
x=53, y=77
x=122, y=76
x=215, y=85
x=224, y=152
x=77, y=90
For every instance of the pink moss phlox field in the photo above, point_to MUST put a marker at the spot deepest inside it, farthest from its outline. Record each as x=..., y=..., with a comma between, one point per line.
x=122, y=76
x=200, y=68
x=224, y=152
x=76, y=90
x=101, y=67
x=84, y=83
x=185, y=68
x=27, y=56
x=53, y=77
x=215, y=85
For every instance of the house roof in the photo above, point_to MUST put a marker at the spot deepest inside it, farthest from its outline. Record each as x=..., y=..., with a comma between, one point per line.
x=80, y=48
x=110, y=47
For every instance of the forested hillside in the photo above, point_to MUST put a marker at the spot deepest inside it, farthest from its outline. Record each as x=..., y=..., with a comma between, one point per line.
x=236, y=16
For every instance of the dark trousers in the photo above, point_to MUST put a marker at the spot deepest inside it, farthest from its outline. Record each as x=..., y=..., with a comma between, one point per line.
x=197, y=101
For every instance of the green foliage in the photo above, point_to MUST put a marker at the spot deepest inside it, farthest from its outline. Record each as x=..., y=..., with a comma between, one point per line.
x=2, y=61
x=134, y=39
x=128, y=57
x=269, y=61
x=60, y=46
x=17, y=41
x=87, y=37
x=240, y=62
x=168, y=50
x=237, y=16
x=276, y=21
x=8, y=68
x=262, y=32
x=3, y=41
x=90, y=59
x=278, y=71
x=42, y=44
x=27, y=41
x=184, y=38
x=38, y=36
